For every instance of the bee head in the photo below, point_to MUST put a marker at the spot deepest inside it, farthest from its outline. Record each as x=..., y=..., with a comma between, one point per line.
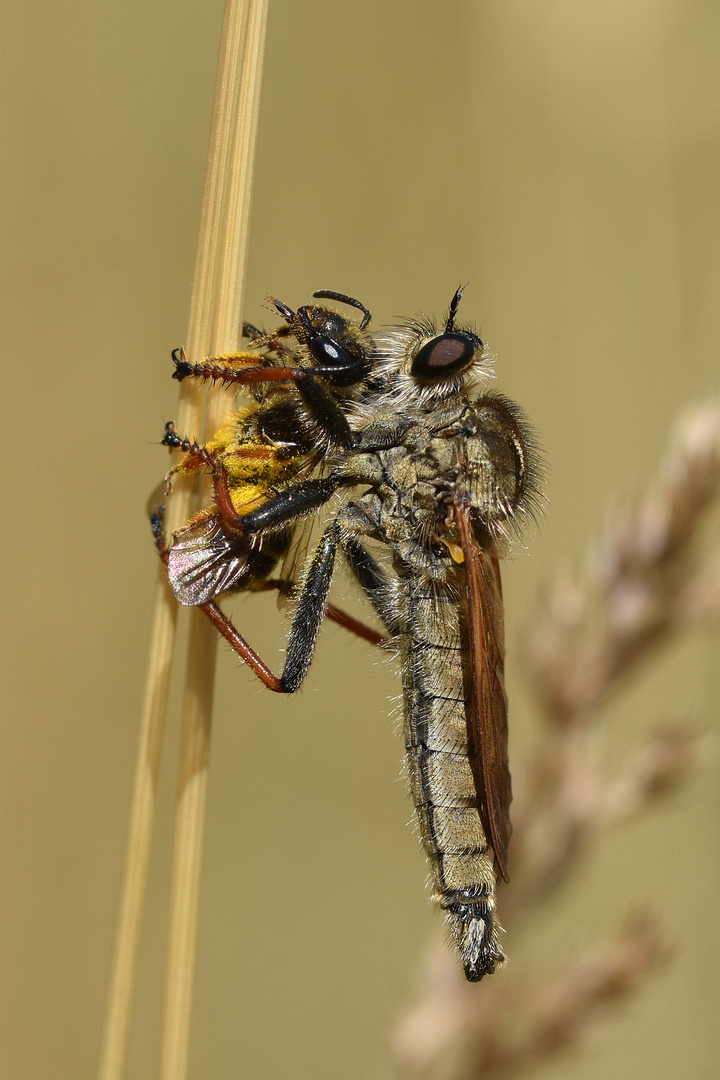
x=339, y=346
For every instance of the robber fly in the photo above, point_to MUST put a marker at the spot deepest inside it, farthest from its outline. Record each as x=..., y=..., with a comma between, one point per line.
x=437, y=475
x=277, y=439
x=450, y=471
x=440, y=475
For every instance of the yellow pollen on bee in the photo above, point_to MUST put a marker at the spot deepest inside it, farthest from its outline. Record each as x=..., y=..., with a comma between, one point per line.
x=248, y=497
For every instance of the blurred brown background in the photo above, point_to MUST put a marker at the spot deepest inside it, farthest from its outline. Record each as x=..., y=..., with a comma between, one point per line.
x=564, y=158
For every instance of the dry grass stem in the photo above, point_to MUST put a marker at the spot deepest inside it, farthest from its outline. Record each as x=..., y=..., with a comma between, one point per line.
x=646, y=581
x=214, y=325
x=122, y=972
x=187, y=852
x=215, y=312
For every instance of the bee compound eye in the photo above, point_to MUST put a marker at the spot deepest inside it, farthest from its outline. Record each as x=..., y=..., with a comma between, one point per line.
x=346, y=366
x=443, y=356
x=327, y=352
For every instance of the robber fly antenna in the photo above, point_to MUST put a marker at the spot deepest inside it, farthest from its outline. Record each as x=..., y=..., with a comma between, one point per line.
x=454, y=305
x=328, y=294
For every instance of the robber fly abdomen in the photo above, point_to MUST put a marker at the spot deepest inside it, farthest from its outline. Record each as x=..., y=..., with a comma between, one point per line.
x=436, y=684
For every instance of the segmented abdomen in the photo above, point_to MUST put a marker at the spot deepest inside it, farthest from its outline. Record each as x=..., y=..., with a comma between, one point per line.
x=437, y=693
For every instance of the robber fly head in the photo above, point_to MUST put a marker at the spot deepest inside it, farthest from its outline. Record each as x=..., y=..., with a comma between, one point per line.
x=339, y=347
x=430, y=363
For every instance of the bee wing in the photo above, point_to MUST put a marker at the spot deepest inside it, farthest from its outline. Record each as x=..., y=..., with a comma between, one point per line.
x=487, y=720
x=204, y=561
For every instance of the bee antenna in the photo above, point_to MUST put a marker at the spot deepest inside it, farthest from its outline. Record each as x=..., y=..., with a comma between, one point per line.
x=328, y=294
x=302, y=314
x=287, y=313
x=454, y=305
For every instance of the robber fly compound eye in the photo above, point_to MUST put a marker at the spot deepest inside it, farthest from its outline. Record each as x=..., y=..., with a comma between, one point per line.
x=444, y=356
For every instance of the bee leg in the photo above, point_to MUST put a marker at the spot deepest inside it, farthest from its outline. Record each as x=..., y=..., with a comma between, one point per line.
x=156, y=505
x=322, y=406
x=296, y=501
x=196, y=457
x=219, y=620
x=156, y=513
x=250, y=331
x=259, y=337
x=324, y=409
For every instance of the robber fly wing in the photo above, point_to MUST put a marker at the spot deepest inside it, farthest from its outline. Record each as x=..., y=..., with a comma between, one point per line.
x=296, y=556
x=304, y=533
x=204, y=561
x=487, y=719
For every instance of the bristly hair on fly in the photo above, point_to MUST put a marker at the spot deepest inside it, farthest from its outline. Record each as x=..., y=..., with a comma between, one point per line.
x=398, y=347
x=507, y=523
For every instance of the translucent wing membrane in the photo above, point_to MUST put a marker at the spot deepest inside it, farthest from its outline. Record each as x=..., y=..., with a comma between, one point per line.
x=204, y=561
x=487, y=721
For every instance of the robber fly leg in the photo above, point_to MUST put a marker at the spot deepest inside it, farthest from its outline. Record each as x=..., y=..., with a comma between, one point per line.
x=333, y=613
x=241, y=647
x=197, y=456
x=223, y=367
x=306, y=623
x=337, y=615
x=376, y=584
x=292, y=502
x=157, y=501
x=302, y=498
x=310, y=610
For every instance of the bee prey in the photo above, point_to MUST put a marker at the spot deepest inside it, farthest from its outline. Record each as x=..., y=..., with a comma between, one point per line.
x=435, y=478
x=268, y=445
